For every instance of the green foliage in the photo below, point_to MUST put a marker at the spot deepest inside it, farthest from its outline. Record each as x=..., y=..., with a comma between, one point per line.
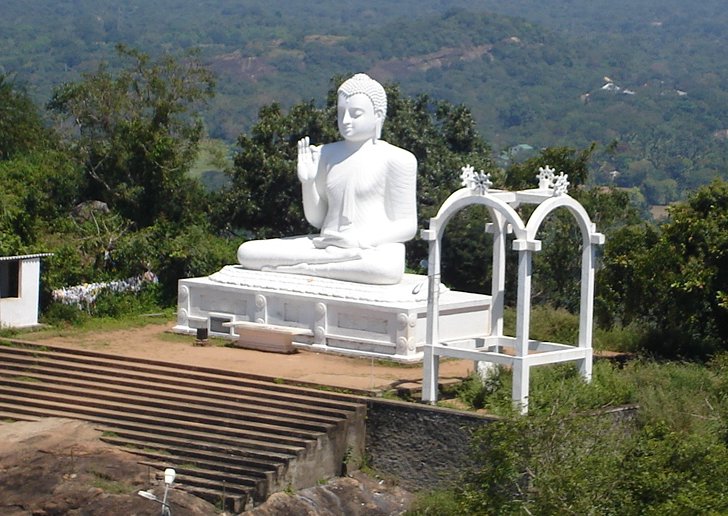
x=575, y=164
x=36, y=188
x=557, y=267
x=672, y=279
x=553, y=464
x=21, y=126
x=137, y=135
x=434, y=503
x=566, y=458
x=172, y=252
x=532, y=73
x=264, y=196
x=118, y=304
x=59, y=314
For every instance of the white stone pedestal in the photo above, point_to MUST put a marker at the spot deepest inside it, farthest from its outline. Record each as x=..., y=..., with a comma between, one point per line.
x=383, y=321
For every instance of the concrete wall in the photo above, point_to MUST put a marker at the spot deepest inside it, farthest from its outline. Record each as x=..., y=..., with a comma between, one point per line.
x=22, y=311
x=424, y=447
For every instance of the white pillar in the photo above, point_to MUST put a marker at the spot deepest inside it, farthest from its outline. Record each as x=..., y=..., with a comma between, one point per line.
x=432, y=337
x=519, y=390
x=500, y=231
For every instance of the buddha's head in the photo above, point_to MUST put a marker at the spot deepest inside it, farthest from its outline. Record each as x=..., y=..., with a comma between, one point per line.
x=362, y=107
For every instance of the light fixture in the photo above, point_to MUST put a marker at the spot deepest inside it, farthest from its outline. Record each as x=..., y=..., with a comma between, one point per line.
x=169, y=475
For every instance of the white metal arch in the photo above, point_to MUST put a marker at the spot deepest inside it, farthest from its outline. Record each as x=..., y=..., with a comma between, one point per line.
x=550, y=205
x=523, y=352
x=464, y=198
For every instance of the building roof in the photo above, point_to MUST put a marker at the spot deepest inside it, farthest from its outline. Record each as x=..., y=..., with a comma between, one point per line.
x=24, y=257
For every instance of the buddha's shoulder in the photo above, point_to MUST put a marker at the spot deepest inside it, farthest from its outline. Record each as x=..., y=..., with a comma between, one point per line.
x=397, y=154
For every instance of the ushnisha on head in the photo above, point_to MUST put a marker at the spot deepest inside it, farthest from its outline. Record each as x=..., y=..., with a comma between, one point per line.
x=361, y=83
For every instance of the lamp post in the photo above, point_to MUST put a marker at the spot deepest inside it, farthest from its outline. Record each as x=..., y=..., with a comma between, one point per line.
x=169, y=475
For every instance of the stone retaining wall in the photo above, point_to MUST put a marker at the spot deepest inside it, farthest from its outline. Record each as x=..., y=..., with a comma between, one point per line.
x=424, y=447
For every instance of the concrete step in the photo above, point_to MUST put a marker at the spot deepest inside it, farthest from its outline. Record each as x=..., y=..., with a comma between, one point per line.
x=209, y=399
x=33, y=397
x=232, y=415
x=178, y=372
x=195, y=455
x=230, y=436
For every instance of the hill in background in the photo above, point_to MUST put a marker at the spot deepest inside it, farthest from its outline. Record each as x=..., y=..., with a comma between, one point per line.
x=644, y=79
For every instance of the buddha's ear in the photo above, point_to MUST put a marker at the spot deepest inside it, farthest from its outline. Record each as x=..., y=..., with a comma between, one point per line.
x=380, y=122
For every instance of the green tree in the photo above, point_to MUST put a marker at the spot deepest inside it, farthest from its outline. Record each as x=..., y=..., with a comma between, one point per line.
x=138, y=134
x=21, y=125
x=673, y=280
x=36, y=189
x=557, y=267
x=264, y=197
x=572, y=162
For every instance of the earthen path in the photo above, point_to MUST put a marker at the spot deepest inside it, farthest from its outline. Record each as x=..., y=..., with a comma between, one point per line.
x=155, y=341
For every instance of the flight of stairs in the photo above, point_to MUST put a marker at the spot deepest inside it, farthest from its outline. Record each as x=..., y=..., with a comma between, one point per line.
x=232, y=438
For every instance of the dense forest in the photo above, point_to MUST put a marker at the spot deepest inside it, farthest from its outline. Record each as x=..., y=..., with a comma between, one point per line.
x=644, y=80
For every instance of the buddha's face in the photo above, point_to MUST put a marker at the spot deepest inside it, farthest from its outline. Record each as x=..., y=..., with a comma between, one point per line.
x=358, y=121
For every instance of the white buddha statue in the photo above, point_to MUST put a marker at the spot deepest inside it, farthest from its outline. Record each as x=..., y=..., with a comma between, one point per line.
x=361, y=194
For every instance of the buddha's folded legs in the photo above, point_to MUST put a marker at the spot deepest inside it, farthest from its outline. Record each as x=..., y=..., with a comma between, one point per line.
x=382, y=265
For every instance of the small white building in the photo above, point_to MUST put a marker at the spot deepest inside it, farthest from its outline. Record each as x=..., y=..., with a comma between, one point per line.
x=20, y=290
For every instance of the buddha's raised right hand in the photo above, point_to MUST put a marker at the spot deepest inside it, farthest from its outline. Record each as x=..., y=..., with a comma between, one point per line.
x=308, y=159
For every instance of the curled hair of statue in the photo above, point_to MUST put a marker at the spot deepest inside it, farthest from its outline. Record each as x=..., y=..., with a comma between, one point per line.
x=362, y=83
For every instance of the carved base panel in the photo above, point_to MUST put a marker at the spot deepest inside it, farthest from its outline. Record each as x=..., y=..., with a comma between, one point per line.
x=383, y=321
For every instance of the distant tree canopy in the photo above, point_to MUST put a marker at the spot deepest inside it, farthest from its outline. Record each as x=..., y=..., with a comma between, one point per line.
x=673, y=280
x=137, y=133
x=21, y=125
x=531, y=73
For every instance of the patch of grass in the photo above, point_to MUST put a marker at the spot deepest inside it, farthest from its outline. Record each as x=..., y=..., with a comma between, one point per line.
x=435, y=503
x=686, y=396
x=547, y=324
x=392, y=394
x=619, y=338
x=385, y=362
x=176, y=338
x=102, y=324
x=28, y=379
x=8, y=332
x=158, y=451
x=558, y=325
x=108, y=485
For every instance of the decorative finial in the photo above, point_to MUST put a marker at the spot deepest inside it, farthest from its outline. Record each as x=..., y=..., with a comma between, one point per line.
x=476, y=181
x=548, y=180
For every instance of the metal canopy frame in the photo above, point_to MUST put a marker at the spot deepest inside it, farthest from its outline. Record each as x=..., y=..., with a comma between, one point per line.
x=519, y=352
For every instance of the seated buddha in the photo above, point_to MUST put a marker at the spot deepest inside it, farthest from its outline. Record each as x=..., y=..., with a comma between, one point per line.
x=359, y=192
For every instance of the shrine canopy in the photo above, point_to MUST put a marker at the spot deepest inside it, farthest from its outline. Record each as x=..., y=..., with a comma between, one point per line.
x=519, y=352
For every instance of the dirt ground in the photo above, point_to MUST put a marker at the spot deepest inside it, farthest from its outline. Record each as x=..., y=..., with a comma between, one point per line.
x=155, y=341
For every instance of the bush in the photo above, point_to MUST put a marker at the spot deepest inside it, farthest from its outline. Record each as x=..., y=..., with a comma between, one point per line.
x=58, y=314
x=567, y=457
x=566, y=464
x=117, y=304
